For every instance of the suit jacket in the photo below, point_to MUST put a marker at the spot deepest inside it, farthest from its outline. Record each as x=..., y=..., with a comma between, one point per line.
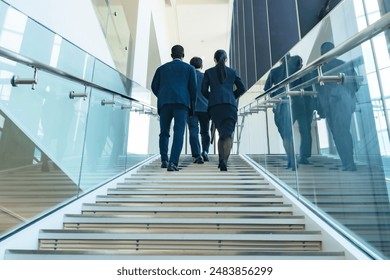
x=201, y=102
x=275, y=76
x=175, y=83
x=224, y=93
x=343, y=94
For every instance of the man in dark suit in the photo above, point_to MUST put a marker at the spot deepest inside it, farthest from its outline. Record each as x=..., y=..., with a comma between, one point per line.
x=337, y=103
x=302, y=110
x=282, y=113
x=174, y=84
x=200, y=118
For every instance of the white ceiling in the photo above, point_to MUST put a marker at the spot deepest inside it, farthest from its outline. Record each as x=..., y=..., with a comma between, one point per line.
x=204, y=26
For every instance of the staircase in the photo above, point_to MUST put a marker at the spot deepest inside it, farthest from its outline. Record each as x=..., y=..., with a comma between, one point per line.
x=196, y=213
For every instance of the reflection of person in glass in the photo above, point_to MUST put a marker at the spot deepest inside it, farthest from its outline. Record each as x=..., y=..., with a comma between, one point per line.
x=302, y=111
x=337, y=102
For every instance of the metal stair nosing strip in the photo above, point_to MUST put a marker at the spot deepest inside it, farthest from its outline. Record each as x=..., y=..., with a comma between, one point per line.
x=204, y=185
x=169, y=255
x=56, y=236
x=198, y=176
x=93, y=207
x=106, y=198
x=125, y=220
x=183, y=181
x=188, y=192
x=214, y=211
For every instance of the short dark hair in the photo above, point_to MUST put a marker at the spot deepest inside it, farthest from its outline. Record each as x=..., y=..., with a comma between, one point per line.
x=177, y=51
x=197, y=62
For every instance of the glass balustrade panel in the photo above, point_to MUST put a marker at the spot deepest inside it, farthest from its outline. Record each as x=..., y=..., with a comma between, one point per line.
x=41, y=139
x=106, y=140
x=140, y=139
x=46, y=128
x=346, y=175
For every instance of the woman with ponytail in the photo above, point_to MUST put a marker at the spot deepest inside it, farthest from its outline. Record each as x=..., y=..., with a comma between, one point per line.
x=222, y=87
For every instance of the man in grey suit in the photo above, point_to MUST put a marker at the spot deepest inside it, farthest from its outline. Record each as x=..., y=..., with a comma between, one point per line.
x=174, y=84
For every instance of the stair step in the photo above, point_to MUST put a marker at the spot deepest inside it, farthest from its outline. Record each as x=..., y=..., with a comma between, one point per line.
x=174, y=224
x=260, y=186
x=111, y=240
x=197, y=177
x=107, y=198
x=191, y=193
x=206, y=212
x=114, y=236
x=183, y=181
x=117, y=219
x=171, y=255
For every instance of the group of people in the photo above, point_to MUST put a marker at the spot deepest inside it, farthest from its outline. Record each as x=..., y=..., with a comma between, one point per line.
x=187, y=96
x=335, y=102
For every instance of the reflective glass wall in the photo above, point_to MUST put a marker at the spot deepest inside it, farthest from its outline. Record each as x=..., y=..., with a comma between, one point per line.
x=325, y=135
x=64, y=118
x=111, y=16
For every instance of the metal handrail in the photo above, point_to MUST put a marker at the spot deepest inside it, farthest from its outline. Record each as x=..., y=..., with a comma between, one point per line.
x=379, y=26
x=8, y=54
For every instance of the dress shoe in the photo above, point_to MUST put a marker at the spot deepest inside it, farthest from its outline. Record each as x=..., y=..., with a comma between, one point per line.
x=291, y=164
x=172, y=167
x=293, y=168
x=222, y=166
x=350, y=167
x=205, y=156
x=45, y=167
x=303, y=161
x=199, y=160
x=164, y=164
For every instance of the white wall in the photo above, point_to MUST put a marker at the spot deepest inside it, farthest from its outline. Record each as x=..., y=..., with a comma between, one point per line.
x=75, y=20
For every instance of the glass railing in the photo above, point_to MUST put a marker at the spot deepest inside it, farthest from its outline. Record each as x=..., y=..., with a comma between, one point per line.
x=323, y=132
x=64, y=121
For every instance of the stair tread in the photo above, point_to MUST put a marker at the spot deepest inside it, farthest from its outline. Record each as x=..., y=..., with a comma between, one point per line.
x=112, y=235
x=97, y=207
x=115, y=219
x=158, y=255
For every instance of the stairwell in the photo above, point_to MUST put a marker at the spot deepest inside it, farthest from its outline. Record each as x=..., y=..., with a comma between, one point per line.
x=196, y=213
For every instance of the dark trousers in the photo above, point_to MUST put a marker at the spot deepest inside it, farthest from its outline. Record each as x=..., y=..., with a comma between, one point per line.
x=338, y=106
x=340, y=123
x=303, y=108
x=201, y=119
x=282, y=118
x=178, y=113
x=304, y=125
